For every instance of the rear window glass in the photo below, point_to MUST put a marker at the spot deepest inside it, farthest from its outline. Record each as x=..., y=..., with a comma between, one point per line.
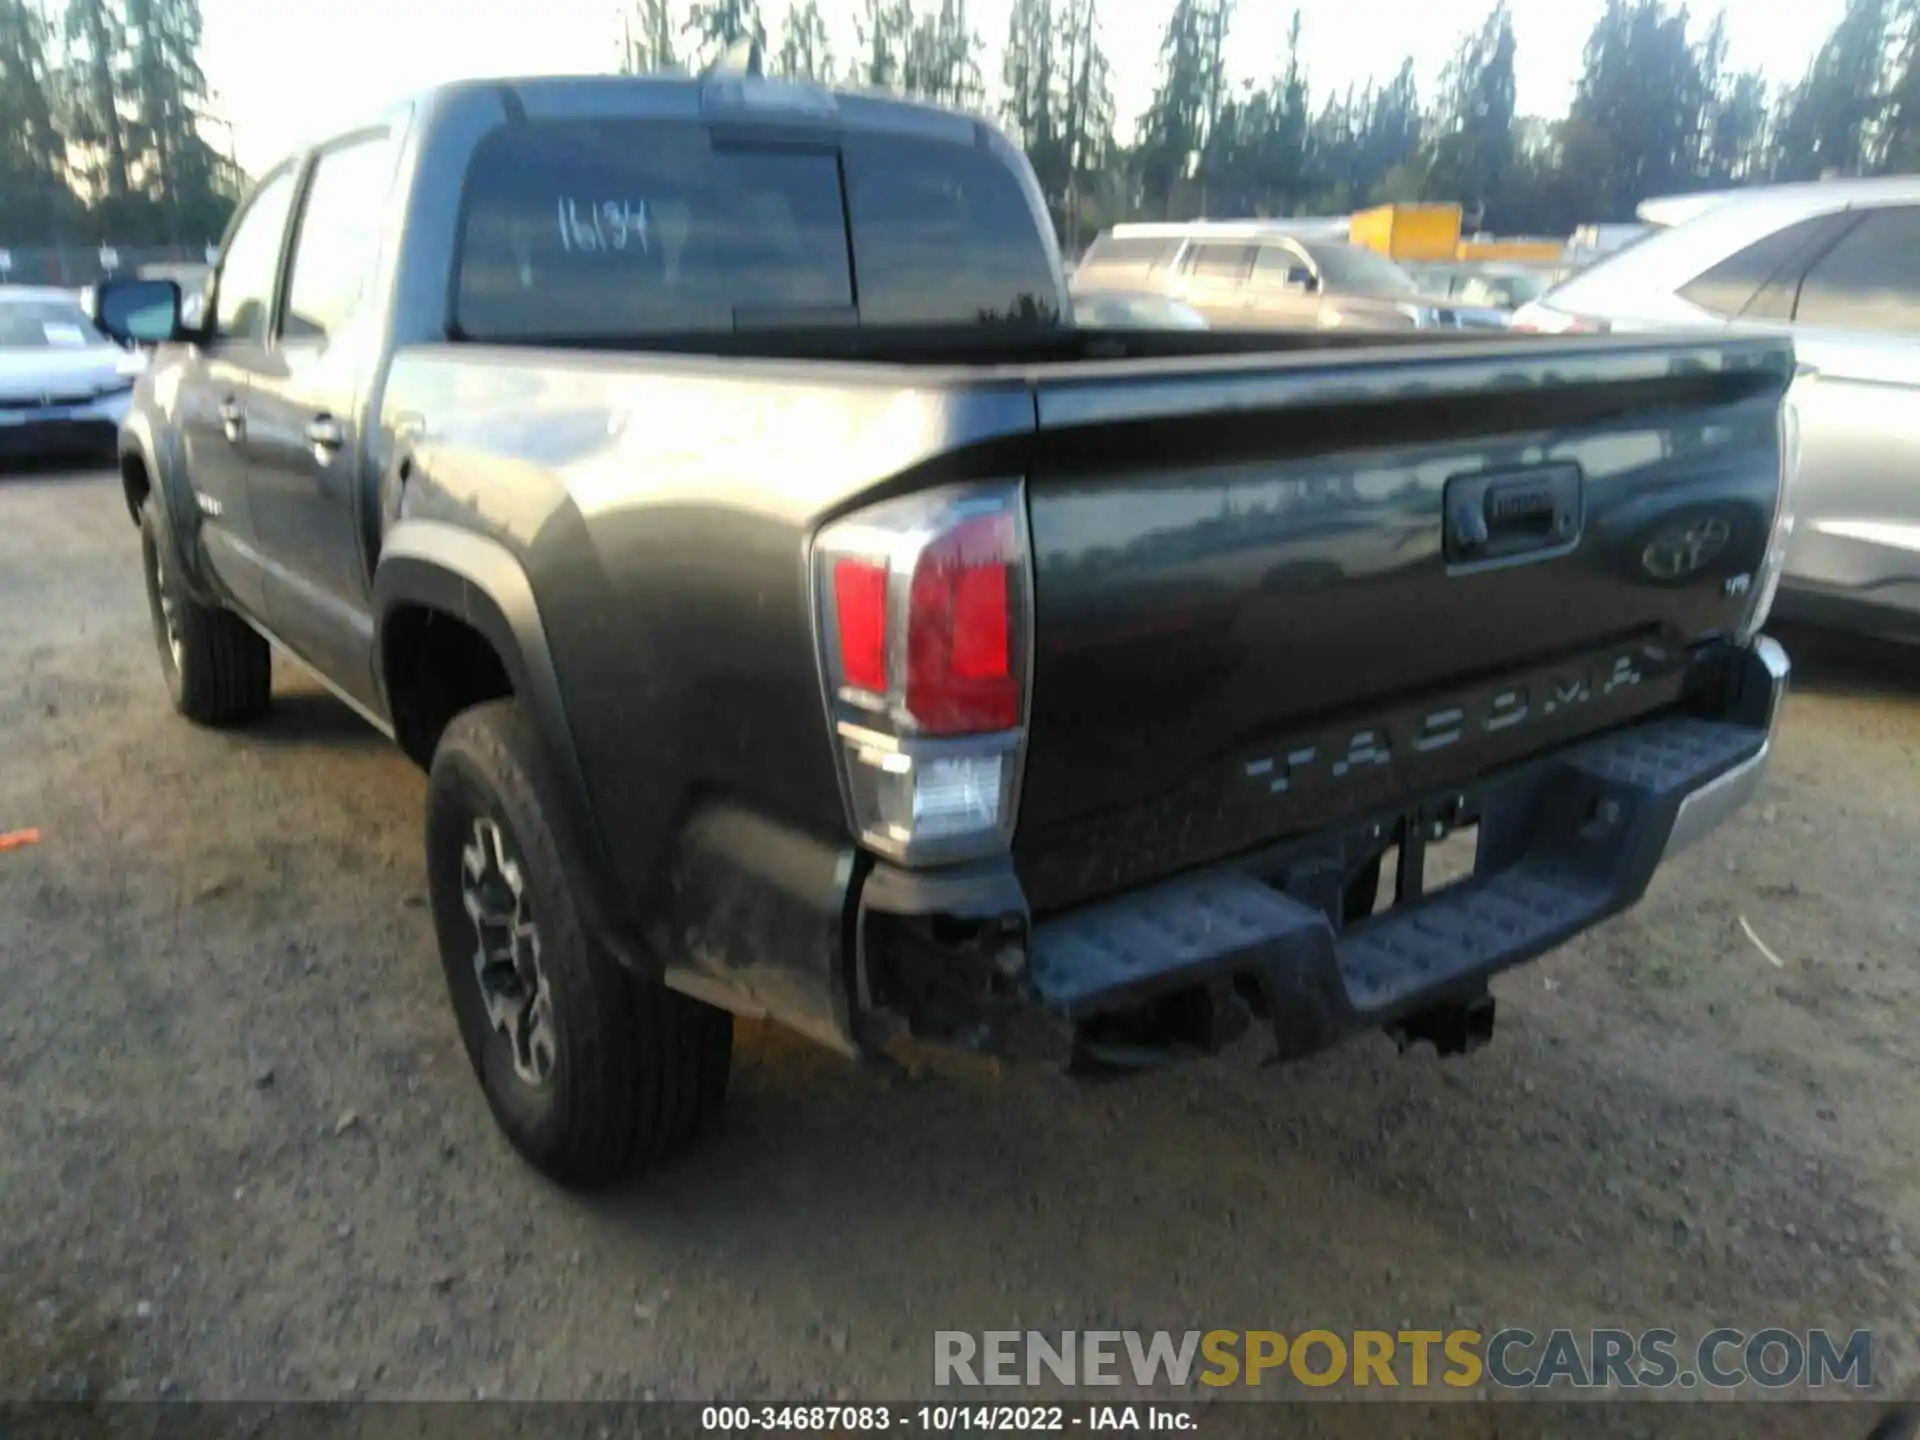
x=943, y=234
x=627, y=229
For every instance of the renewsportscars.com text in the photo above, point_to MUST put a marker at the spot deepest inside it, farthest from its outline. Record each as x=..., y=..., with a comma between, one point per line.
x=1770, y=1358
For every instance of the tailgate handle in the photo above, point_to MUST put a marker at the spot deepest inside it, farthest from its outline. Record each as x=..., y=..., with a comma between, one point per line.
x=1502, y=515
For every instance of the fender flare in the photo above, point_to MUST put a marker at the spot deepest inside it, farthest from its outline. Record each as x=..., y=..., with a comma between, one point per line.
x=480, y=582
x=156, y=448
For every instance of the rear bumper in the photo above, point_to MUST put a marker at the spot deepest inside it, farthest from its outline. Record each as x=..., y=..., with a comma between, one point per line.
x=1564, y=841
x=1713, y=803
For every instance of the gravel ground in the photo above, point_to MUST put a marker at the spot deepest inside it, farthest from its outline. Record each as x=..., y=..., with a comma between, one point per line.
x=244, y=1158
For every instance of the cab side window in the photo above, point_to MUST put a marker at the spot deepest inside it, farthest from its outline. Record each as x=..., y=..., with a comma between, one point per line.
x=339, y=238
x=243, y=294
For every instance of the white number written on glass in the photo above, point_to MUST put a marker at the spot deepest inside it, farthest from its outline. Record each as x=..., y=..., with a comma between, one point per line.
x=605, y=225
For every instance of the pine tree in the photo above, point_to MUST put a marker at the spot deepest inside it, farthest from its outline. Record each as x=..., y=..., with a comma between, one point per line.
x=885, y=31
x=1901, y=117
x=96, y=50
x=1027, y=85
x=1085, y=109
x=1390, y=138
x=806, y=53
x=177, y=170
x=1473, y=152
x=647, y=40
x=1636, y=116
x=716, y=24
x=1173, y=129
x=942, y=62
x=32, y=173
x=1830, y=123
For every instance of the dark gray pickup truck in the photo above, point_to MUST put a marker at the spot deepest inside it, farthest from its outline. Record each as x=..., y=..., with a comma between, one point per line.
x=798, y=615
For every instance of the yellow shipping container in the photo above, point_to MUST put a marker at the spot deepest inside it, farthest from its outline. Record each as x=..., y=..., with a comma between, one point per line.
x=1408, y=232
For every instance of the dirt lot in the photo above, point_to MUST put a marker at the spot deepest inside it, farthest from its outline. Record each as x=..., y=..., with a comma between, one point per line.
x=243, y=1156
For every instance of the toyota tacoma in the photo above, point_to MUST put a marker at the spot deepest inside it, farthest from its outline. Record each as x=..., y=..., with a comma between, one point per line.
x=797, y=615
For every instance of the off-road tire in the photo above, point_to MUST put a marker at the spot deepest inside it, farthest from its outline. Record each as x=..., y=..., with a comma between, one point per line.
x=638, y=1070
x=219, y=670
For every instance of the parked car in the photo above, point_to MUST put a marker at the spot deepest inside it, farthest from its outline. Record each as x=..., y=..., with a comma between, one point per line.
x=1835, y=266
x=1263, y=274
x=1591, y=243
x=64, y=385
x=1484, y=294
x=798, y=615
x=1134, y=310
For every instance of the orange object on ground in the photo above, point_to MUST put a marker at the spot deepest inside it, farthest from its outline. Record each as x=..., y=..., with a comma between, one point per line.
x=16, y=839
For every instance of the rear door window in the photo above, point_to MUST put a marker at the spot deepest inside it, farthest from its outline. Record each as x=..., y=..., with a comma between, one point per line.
x=1870, y=279
x=1773, y=262
x=338, y=239
x=627, y=229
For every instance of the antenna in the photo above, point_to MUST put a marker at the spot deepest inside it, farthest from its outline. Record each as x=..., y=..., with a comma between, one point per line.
x=742, y=57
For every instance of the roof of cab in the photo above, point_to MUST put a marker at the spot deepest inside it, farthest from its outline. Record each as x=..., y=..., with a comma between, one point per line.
x=694, y=97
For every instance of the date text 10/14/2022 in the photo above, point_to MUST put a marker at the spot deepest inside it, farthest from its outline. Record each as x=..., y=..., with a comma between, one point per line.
x=948, y=1419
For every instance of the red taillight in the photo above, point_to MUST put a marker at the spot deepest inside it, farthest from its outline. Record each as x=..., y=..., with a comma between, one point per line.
x=860, y=611
x=960, y=646
x=926, y=622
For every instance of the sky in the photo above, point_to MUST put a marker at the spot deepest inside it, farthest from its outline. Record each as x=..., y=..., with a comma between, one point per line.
x=280, y=79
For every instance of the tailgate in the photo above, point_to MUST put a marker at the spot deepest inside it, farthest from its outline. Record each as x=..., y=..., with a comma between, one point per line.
x=1275, y=594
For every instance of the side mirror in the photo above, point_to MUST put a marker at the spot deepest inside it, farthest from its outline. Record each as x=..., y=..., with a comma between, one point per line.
x=1301, y=278
x=138, y=312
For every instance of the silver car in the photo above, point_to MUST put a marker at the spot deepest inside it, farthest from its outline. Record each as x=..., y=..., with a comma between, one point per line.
x=1262, y=275
x=64, y=386
x=1483, y=293
x=1836, y=265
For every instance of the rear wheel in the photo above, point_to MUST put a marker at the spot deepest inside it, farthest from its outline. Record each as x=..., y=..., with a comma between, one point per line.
x=218, y=669
x=592, y=1072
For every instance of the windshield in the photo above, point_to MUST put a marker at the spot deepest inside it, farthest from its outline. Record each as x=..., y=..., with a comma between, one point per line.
x=46, y=325
x=1350, y=270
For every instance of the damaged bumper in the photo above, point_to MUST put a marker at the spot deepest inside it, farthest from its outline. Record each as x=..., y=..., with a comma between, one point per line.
x=1564, y=841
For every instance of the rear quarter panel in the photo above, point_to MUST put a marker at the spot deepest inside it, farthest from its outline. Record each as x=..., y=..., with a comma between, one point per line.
x=663, y=509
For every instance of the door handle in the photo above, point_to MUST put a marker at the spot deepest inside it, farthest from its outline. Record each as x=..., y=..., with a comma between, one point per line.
x=233, y=420
x=325, y=437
